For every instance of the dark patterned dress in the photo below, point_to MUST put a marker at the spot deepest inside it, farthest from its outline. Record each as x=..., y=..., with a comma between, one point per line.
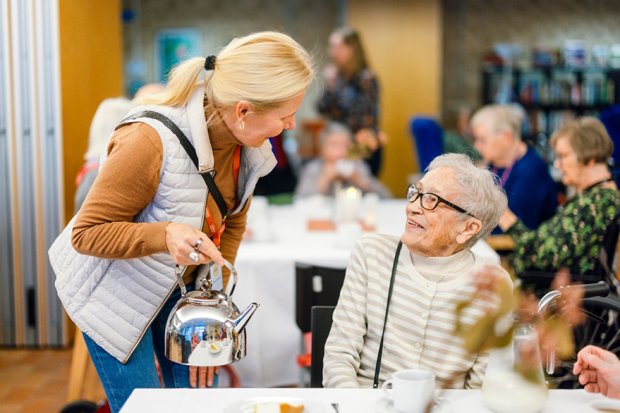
x=354, y=102
x=572, y=238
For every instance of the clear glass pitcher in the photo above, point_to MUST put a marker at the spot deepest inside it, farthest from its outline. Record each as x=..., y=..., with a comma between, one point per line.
x=514, y=381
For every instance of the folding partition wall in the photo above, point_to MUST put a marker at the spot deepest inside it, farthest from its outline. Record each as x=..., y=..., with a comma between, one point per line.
x=31, y=202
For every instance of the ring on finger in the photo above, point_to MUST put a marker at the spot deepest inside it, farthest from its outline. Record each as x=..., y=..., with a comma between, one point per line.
x=194, y=256
x=197, y=244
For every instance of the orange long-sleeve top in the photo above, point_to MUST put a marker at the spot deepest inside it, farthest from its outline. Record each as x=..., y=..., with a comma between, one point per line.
x=127, y=183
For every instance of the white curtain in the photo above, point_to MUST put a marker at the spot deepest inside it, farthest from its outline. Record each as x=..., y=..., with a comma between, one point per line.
x=31, y=201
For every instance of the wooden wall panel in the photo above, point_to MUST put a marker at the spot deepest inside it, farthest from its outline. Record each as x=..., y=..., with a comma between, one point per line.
x=91, y=70
x=403, y=43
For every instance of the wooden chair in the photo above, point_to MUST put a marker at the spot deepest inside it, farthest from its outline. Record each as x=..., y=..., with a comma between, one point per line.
x=84, y=383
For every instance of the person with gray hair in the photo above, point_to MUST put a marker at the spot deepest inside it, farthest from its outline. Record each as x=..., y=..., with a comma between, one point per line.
x=454, y=205
x=524, y=175
x=107, y=116
x=576, y=237
x=336, y=168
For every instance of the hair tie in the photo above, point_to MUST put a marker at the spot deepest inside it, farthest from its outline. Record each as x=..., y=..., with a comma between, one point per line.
x=210, y=63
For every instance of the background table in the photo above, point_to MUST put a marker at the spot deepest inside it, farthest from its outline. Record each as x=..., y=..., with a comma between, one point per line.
x=267, y=276
x=349, y=400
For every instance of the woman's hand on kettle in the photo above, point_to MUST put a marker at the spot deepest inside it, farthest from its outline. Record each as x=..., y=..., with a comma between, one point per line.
x=188, y=246
x=202, y=376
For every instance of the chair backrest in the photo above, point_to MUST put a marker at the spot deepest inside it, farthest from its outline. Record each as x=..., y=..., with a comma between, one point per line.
x=315, y=285
x=321, y=325
x=610, y=117
x=428, y=137
x=610, y=243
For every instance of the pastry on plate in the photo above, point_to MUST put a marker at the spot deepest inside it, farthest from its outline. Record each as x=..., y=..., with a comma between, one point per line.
x=275, y=407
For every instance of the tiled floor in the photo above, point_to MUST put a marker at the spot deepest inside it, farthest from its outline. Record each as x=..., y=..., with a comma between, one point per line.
x=33, y=381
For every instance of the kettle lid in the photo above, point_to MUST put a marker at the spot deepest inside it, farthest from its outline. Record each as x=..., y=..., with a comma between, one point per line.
x=208, y=297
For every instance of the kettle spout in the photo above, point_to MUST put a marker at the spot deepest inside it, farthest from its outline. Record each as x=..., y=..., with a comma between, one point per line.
x=245, y=316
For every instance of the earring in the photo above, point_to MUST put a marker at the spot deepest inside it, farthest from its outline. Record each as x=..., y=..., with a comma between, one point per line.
x=241, y=126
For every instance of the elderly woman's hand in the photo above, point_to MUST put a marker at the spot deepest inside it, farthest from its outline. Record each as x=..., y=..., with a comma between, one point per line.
x=507, y=220
x=188, y=246
x=329, y=173
x=599, y=371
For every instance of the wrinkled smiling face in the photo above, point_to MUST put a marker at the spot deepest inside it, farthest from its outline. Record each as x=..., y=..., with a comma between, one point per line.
x=434, y=233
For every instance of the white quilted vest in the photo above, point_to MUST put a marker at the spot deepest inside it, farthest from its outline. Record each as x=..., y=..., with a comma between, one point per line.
x=114, y=301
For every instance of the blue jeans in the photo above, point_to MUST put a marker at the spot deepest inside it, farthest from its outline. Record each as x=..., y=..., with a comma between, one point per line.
x=119, y=380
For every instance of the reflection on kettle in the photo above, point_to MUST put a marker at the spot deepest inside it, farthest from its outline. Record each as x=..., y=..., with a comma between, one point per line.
x=205, y=328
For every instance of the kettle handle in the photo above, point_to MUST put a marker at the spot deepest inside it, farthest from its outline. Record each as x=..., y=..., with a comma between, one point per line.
x=233, y=272
x=178, y=270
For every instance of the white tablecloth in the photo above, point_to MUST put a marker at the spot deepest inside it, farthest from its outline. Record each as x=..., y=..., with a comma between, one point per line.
x=349, y=400
x=267, y=276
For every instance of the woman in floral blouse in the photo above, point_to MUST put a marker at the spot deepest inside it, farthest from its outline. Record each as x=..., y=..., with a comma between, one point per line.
x=351, y=94
x=573, y=237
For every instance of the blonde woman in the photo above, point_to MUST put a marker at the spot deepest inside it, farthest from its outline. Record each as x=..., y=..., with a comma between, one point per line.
x=150, y=208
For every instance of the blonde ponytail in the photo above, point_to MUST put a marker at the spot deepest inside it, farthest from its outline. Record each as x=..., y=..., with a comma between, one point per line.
x=182, y=81
x=264, y=68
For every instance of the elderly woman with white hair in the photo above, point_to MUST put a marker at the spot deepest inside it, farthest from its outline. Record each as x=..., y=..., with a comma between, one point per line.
x=109, y=113
x=524, y=175
x=401, y=302
x=335, y=168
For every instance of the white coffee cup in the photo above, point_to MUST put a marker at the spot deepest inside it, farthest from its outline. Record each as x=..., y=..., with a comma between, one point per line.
x=345, y=167
x=411, y=390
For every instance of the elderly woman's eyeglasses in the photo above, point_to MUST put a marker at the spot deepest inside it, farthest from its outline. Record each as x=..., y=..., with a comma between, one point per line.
x=429, y=200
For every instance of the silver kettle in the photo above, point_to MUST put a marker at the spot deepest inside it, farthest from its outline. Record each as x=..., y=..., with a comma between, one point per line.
x=205, y=328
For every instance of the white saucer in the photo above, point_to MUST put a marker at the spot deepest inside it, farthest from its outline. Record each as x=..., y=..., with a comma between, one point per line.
x=385, y=405
x=606, y=405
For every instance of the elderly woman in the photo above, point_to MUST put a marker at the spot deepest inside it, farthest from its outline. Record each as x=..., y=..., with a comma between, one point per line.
x=523, y=174
x=336, y=168
x=453, y=206
x=573, y=237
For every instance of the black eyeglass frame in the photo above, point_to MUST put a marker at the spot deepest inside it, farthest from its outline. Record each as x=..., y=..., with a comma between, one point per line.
x=413, y=193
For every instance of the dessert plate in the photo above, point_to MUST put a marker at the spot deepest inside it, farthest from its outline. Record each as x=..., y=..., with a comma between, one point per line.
x=247, y=405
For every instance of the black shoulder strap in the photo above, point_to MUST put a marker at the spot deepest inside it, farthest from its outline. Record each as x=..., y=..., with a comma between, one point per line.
x=375, y=383
x=191, y=152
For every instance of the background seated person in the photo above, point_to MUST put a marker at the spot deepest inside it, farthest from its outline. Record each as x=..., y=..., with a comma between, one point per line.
x=109, y=113
x=454, y=205
x=573, y=237
x=457, y=136
x=335, y=167
x=532, y=194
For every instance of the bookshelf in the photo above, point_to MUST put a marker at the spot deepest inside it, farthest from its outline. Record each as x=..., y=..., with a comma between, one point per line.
x=551, y=95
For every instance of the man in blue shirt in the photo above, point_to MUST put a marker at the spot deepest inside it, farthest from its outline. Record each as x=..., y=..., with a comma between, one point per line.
x=524, y=175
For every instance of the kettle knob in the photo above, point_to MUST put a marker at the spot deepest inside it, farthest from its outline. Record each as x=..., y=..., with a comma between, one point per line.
x=206, y=282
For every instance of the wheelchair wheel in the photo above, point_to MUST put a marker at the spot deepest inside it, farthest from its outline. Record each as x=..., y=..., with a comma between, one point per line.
x=601, y=328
